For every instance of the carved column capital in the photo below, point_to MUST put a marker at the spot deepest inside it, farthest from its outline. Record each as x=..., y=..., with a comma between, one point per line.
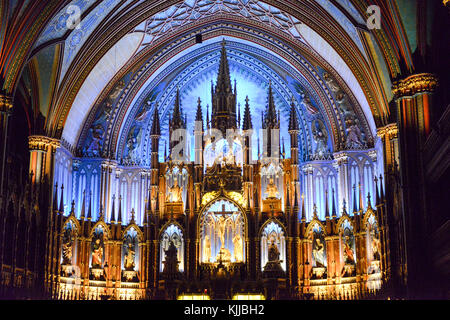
x=341, y=157
x=6, y=103
x=414, y=84
x=43, y=143
x=389, y=131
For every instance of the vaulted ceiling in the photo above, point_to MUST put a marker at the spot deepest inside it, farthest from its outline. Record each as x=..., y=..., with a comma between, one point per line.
x=104, y=76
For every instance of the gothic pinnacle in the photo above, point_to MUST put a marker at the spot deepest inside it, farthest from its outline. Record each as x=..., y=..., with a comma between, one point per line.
x=223, y=78
x=177, y=120
x=293, y=122
x=247, y=121
x=271, y=119
x=156, y=128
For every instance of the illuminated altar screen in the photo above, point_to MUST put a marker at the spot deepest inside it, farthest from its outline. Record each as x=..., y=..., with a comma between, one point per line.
x=222, y=237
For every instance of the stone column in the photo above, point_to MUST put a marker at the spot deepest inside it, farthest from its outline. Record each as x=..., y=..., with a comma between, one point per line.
x=341, y=162
x=392, y=224
x=6, y=105
x=413, y=96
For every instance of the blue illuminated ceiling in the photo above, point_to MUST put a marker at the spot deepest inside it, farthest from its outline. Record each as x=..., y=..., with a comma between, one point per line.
x=111, y=114
x=250, y=66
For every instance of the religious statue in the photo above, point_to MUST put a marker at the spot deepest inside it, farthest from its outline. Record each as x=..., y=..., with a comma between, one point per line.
x=274, y=253
x=221, y=224
x=238, y=252
x=306, y=102
x=175, y=192
x=114, y=94
x=318, y=252
x=229, y=159
x=320, y=137
x=96, y=143
x=354, y=135
x=206, y=249
x=133, y=143
x=142, y=115
x=67, y=252
x=344, y=106
x=330, y=82
x=272, y=190
x=349, y=257
x=128, y=262
x=97, y=254
x=376, y=247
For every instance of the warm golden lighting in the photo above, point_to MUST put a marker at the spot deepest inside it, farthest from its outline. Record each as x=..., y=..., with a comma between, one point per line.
x=249, y=297
x=193, y=297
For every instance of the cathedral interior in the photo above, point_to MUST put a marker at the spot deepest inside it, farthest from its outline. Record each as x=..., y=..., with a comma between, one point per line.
x=224, y=149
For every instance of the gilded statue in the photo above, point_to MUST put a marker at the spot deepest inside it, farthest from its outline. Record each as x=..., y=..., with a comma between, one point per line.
x=376, y=247
x=97, y=254
x=129, y=258
x=175, y=192
x=318, y=253
x=206, y=249
x=67, y=252
x=272, y=190
x=238, y=252
x=348, y=251
x=221, y=226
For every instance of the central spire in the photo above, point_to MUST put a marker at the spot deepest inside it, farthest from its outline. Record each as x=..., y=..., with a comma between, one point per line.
x=223, y=114
x=223, y=77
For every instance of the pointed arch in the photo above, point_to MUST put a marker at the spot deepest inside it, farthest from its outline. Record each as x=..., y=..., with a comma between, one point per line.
x=273, y=232
x=171, y=232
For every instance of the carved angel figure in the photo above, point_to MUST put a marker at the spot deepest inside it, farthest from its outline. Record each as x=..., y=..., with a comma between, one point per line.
x=354, y=135
x=330, y=82
x=175, y=192
x=320, y=136
x=133, y=143
x=96, y=143
x=306, y=102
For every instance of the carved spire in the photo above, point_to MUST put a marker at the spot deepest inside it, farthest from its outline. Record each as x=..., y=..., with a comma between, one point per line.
x=72, y=208
x=156, y=128
x=333, y=209
x=377, y=194
x=303, y=208
x=55, y=198
x=223, y=77
x=89, y=216
x=344, y=209
x=369, y=204
x=113, y=209
x=177, y=118
x=199, y=114
x=223, y=115
x=119, y=218
x=239, y=109
x=295, y=197
x=315, y=211
x=271, y=119
x=133, y=216
x=61, y=202
x=355, y=209
x=381, y=188
x=247, y=123
x=83, y=205
x=293, y=122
